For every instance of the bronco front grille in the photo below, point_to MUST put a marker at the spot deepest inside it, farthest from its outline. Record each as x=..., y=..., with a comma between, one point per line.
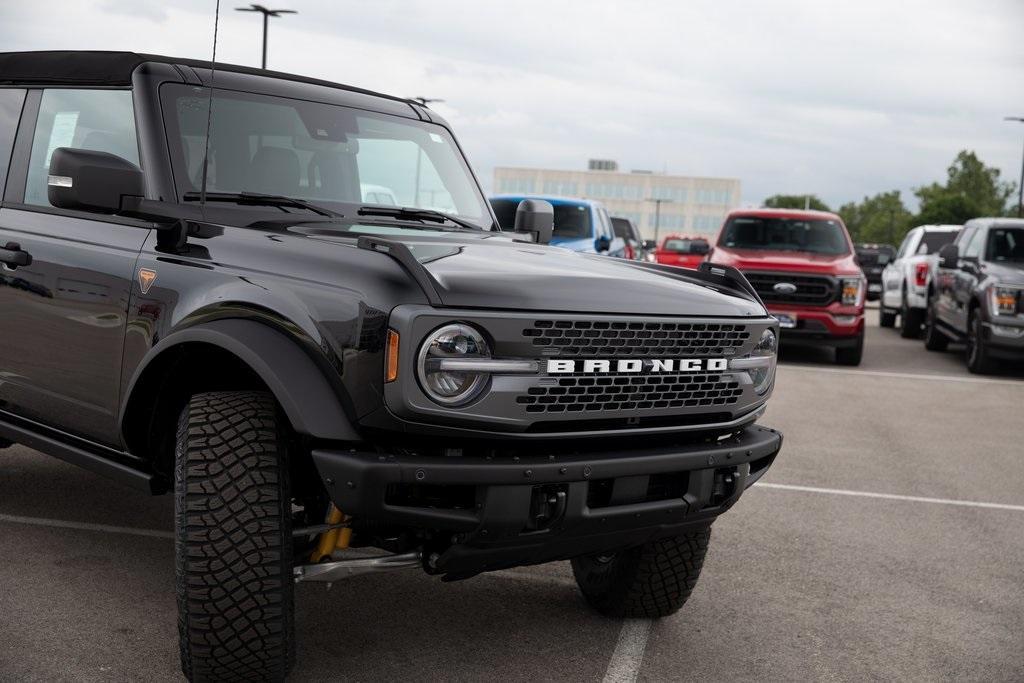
x=812, y=290
x=621, y=338
x=587, y=394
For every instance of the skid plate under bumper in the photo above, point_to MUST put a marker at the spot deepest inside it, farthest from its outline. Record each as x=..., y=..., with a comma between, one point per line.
x=508, y=511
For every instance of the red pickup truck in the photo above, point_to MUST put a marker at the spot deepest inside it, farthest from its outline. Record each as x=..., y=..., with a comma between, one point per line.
x=803, y=266
x=682, y=251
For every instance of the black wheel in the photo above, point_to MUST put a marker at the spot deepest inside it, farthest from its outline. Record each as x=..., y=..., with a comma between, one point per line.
x=651, y=580
x=233, y=546
x=911, y=320
x=934, y=340
x=978, y=359
x=886, y=316
x=851, y=355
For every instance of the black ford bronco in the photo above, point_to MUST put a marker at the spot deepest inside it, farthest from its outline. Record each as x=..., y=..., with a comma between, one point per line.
x=287, y=302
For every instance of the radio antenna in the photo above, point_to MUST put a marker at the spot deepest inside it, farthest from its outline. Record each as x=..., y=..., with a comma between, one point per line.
x=209, y=112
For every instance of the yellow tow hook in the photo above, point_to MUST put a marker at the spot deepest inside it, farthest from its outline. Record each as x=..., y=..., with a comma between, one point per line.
x=332, y=539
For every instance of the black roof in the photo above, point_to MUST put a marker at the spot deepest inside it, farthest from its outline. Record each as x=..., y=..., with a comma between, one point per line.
x=95, y=67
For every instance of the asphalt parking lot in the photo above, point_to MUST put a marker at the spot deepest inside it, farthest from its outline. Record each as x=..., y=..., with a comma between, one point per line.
x=886, y=543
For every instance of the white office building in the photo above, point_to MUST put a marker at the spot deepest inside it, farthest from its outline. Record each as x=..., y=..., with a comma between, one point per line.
x=680, y=204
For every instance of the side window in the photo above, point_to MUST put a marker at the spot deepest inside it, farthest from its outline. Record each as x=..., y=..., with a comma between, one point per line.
x=973, y=248
x=606, y=224
x=100, y=120
x=10, y=111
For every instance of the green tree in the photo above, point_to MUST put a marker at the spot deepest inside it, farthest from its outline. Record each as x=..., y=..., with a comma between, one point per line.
x=795, y=201
x=882, y=218
x=972, y=189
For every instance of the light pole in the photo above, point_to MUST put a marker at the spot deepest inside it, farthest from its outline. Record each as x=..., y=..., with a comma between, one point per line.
x=1020, y=189
x=267, y=13
x=657, y=213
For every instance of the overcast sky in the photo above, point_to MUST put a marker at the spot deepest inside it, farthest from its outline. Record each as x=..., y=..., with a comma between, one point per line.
x=788, y=96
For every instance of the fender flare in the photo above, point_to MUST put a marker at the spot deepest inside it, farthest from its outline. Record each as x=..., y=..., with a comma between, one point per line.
x=305, y=395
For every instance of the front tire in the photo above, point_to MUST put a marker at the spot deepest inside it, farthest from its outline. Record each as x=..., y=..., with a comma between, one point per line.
x=233, y=545
x=851, y=355
x=651, y=580
x=886, y=317
x=978, y=359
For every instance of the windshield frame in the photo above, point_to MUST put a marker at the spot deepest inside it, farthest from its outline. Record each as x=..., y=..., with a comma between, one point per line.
x=169, y=92
x=848, y=249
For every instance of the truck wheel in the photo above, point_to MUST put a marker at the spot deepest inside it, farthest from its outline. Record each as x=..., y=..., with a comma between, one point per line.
x=978, y=359
x=851, y=355
x=651, y=580
x=886, y=317
x=233, y=545
x=910, y=320
x=934, y=340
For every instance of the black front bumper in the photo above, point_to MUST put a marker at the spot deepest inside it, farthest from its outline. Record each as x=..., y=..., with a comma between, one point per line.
x=506, y=511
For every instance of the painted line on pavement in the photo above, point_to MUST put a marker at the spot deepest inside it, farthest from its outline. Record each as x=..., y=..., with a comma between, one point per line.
x=85, y=526
x=891, y=496
x=624, y=665
x=903, y=375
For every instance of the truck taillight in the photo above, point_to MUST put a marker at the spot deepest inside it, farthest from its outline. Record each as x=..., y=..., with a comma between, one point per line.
x=921, y=274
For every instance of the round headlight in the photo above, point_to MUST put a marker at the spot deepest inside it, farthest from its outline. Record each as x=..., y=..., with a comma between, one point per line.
x=767, y=348
x=447, y=386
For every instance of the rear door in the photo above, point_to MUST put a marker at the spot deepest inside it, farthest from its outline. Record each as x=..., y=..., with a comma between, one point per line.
x=64, y=313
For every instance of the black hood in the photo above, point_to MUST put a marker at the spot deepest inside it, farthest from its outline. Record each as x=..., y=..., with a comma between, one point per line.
x=494, y=272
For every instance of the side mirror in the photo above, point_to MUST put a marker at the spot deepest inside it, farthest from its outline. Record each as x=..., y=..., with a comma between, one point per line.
x=650, y=245
x=700, y=248
x=87, y=180
x=948, y=256
x=602, y=243
x=536, y=217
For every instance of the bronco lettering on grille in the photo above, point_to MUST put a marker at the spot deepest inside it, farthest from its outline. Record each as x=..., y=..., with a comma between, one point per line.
x=637, y=365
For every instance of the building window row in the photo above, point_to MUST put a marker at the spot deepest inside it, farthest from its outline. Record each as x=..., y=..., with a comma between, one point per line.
x=707, y=223
x=516, y=185
x=613, y=191
x=564, y=188
x=723, y=197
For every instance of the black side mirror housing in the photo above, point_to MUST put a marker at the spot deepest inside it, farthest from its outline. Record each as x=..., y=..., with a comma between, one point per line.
x=650, y=245
x=87, y=180
x=536, y=217
x=949, y=255
x=602, y=243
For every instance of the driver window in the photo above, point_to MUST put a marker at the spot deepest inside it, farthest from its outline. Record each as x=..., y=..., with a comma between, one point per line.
x=99, y=120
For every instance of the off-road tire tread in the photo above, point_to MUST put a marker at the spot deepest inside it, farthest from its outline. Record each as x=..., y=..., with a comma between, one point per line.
x=649, y=581
x=233, y=547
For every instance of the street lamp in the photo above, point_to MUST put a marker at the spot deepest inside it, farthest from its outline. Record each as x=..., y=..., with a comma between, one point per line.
x=267, y=13
x=657, y=213
x=1020, y=189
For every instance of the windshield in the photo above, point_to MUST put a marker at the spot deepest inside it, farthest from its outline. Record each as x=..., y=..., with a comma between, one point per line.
x=322, y=153
x=1006, y=244
x=931, y=242
x=572, y=221
x=684, y=246
x=785, y=234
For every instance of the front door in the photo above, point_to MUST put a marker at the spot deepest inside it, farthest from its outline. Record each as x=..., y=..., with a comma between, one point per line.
x=64, y=313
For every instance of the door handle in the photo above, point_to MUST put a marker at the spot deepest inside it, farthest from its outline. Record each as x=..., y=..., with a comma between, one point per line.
x=13, y=256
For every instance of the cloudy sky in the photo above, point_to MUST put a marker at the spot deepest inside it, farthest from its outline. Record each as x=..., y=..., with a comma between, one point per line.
x=839, y=99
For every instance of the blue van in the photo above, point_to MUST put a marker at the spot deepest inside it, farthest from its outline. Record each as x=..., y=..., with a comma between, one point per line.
x=580, y=224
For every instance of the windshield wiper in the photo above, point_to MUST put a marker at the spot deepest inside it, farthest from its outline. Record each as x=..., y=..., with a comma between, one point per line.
x=407, y=213
x=258, y=199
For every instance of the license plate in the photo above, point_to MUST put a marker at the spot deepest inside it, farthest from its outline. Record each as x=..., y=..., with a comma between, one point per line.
x=786, y=320
x=874, y=288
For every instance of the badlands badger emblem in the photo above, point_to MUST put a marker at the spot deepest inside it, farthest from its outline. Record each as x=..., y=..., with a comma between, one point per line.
x=638, y=365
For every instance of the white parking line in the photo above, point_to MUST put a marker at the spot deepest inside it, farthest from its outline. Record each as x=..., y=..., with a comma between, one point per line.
x=624, y=666
x=891, y=496
x=85, y=526
x=903, y=375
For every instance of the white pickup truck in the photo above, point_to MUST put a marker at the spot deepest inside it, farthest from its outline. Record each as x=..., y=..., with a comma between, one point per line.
x=905, y=278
